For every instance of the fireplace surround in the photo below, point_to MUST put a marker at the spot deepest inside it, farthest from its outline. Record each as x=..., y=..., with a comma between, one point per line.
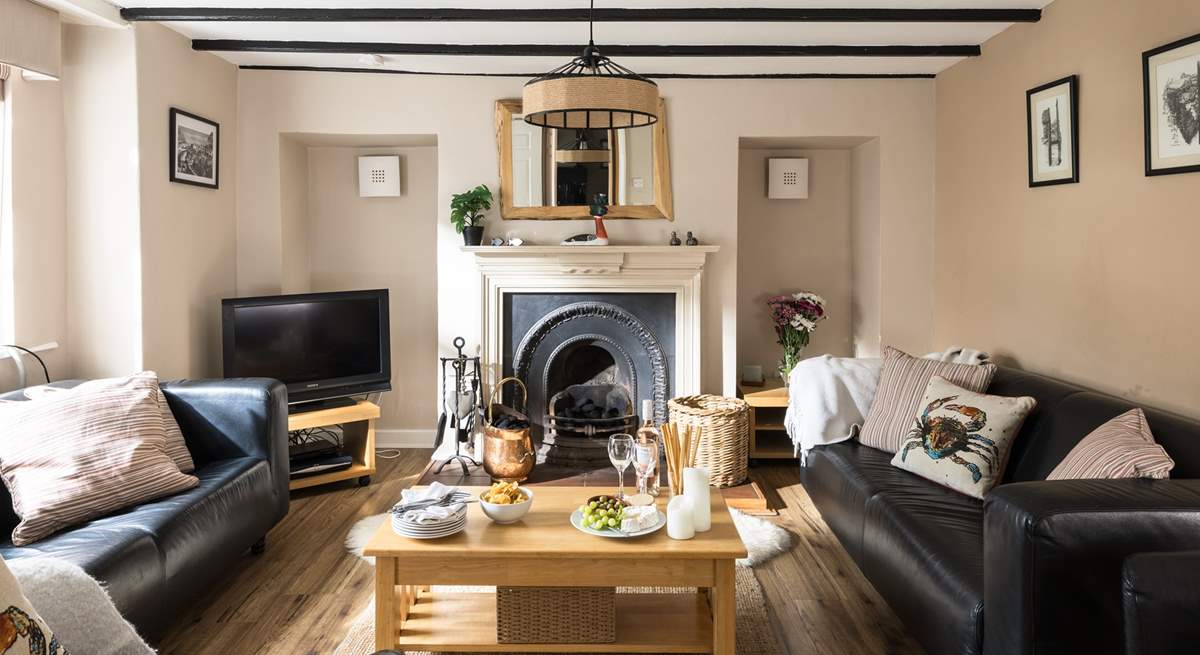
x=560, y=315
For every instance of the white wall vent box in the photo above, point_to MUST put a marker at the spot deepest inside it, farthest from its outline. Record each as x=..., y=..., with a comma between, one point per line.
x=378, y=176
x=787, y=178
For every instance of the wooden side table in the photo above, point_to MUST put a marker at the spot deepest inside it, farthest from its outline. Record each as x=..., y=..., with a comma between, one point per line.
x=358, y=436
x=768, y=436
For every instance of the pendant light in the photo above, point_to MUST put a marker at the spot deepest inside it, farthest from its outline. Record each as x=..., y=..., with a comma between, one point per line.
x=590, y=92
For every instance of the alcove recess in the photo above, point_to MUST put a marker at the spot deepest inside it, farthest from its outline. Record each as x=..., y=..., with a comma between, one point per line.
x=334, y=240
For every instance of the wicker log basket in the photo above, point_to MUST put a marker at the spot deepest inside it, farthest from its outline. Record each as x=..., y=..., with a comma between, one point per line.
x=556, y=615
x=725, y=436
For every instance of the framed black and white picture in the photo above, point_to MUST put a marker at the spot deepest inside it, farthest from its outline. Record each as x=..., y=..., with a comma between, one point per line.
x=1053, y=132
x=195, y=154
x=1171, y=84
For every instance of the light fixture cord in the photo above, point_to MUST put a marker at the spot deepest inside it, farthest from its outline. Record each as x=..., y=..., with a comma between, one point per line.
x=591, y=20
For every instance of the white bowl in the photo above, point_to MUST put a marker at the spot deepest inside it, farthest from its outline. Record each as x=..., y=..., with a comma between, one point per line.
x=507, y=513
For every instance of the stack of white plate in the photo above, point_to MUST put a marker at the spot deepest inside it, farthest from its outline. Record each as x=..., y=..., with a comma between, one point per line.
x=444, y=528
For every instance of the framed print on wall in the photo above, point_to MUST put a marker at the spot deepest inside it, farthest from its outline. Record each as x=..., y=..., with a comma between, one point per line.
x=195, y=155
x=1052, y=117
x=1171, y=85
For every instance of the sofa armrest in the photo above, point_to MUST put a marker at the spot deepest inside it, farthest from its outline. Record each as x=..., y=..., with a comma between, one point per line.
x=1054, y=552
x=244, y=417
x=1161, y=597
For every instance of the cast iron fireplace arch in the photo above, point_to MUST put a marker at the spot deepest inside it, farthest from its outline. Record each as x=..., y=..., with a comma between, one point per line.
x=523, y=355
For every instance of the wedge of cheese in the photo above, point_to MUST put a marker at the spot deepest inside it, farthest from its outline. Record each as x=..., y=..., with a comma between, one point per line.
x=637, y=519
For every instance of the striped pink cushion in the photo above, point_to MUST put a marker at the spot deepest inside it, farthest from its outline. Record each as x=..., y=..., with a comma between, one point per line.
x=71, y=457
x=901, y=385
x=176, y=446
x=1122, y=448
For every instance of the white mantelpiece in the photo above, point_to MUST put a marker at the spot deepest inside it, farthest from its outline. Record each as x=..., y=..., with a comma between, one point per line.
x=596, y=269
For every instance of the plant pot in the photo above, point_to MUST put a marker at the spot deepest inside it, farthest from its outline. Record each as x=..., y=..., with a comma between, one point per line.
x=473, y=235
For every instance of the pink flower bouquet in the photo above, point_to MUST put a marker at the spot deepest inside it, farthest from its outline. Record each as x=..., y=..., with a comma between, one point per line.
x=795, y=315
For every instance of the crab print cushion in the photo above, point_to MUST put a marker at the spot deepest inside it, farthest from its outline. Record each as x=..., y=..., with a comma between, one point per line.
x=961, y=439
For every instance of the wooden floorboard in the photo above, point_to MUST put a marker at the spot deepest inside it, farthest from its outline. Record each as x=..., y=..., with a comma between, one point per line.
x=302, y=594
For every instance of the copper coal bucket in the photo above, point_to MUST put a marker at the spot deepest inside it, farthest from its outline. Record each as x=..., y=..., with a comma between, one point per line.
x=508, y=454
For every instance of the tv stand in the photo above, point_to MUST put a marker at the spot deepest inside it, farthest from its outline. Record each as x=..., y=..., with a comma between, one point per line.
x=316, y=405
x=358, y=437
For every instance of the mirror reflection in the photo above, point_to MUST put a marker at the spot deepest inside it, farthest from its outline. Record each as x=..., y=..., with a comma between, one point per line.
x=568, y=167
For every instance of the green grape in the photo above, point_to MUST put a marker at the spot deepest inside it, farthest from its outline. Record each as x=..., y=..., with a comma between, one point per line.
x=612, y=523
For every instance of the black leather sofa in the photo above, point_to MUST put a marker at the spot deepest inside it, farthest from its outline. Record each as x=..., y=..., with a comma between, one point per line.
x=1070, y=566
x=156, y=558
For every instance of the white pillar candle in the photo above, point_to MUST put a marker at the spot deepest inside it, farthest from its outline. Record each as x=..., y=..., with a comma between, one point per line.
x=695, y=489
x=679, y=518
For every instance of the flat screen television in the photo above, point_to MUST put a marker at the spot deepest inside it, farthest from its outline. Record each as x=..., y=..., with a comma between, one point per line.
x=325, y=347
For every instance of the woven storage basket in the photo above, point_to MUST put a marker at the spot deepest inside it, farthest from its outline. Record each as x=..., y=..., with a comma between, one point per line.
x=725, y=438
x=556, y=615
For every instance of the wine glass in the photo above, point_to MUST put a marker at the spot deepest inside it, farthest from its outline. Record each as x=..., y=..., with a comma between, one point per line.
x=644, y=460
x=620, y=453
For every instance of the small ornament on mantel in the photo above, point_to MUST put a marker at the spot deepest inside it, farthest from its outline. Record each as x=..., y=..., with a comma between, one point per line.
x=691, y=240
x=675, y=239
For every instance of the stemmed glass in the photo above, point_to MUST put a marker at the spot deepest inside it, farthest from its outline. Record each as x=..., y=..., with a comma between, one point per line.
x=620, y=453
x=644, y=461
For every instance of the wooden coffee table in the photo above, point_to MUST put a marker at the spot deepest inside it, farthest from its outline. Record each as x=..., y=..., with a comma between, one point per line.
x=544, y=550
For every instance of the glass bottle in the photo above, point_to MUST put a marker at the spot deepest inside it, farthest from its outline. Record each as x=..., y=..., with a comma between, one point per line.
x=649, y=434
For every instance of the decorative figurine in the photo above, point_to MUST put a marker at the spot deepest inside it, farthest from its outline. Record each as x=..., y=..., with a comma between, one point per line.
x=599, y=208
x=675, y=239
x=691, y=240
x=497, y=241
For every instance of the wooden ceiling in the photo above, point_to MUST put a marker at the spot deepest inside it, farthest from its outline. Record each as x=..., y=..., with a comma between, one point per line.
x=659, y=38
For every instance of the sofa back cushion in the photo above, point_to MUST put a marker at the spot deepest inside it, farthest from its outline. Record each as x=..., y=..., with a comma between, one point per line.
x=1067, y=413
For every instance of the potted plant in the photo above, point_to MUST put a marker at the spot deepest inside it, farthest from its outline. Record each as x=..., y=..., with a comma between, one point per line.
x=795, y=316
x=466, y=213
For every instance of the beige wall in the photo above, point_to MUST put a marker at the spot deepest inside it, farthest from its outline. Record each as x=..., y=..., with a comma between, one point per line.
x=707, y=118
x=1093, y=282
x=296, y=276
x=866, y=250
x=383, y=243
x=786, y=246
x=188, y=233
x=38, y=226
x=104, y=264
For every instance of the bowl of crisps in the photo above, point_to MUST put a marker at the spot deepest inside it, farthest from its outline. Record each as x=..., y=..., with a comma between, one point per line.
x=506, y=502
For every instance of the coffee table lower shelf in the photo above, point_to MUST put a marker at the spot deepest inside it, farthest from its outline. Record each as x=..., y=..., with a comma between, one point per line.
x=646, y=623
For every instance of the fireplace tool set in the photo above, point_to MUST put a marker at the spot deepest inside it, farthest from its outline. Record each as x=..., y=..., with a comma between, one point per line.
x=461, y=380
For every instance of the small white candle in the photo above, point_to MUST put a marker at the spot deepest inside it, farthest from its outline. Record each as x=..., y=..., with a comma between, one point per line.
x=695, y=489
x=679, y=518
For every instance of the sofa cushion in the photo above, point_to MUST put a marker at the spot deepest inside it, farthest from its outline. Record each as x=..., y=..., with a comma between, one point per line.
x=841, y=478
x=1121, y=448
x=116, y=550
x=898, y=396
x=923, y=552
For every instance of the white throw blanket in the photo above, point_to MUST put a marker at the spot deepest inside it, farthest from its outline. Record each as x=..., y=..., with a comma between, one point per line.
x=829, y=397
x=76, y=608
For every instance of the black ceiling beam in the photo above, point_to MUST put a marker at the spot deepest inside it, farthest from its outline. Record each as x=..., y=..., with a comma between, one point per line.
x=554, y=50
x=690, y=15
x=681, y=76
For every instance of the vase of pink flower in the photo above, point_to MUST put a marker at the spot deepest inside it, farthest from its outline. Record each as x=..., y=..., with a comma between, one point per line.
x=795, y=315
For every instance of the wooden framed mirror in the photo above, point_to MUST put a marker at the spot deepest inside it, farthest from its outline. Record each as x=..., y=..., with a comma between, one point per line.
x=552, y=174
